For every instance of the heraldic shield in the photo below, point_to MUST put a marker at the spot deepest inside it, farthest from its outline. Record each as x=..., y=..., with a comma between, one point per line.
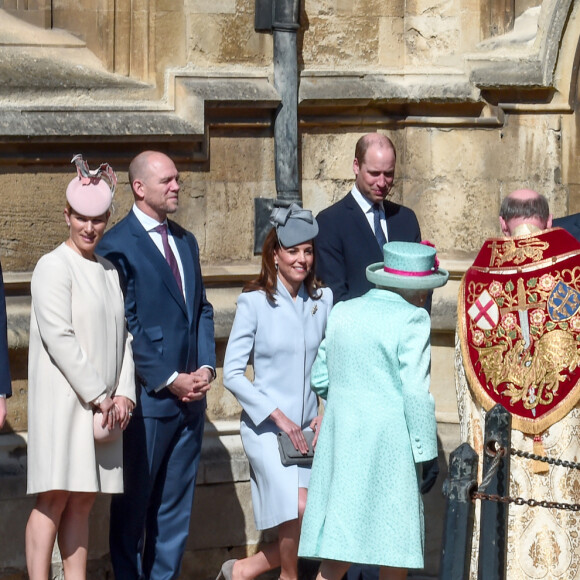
x=519, y=327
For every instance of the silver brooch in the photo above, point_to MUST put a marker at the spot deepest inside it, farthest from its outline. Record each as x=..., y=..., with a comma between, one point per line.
x=314, y=309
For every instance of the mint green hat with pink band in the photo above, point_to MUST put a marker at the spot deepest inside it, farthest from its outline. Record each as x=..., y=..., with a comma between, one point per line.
x=408, y=266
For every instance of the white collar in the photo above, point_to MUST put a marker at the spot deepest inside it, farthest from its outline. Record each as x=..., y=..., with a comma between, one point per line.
x=146, y=221
x=365, y=204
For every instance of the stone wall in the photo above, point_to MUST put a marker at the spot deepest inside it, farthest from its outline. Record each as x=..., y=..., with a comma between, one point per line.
x=479, y=97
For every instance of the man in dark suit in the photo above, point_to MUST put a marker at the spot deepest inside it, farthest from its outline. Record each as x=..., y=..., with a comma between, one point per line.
x=173, y=346
x=5, y=383
x=570, y=223
x=354, y=230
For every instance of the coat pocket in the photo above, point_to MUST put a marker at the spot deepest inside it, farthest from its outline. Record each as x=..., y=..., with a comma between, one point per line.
x=155, y=335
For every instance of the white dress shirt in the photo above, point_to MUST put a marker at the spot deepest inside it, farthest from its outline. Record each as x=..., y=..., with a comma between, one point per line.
x=367, y=208
x=150, y=224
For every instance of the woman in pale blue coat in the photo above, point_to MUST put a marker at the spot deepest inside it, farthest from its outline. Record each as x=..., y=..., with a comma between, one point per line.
x=280, y=321
x=379, y=430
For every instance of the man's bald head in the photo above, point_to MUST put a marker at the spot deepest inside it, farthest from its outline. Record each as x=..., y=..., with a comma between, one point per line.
x=524, y=207
x=155, y=183
x=140, y=165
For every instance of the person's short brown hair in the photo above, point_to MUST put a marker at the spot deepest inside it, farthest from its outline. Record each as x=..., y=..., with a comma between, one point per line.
x=366, y=141
x=525, y=208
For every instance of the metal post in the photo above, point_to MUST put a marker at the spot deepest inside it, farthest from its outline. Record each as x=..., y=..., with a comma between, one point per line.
x=285, y=28
x=282, y=18
x=494, y=515
x=458, y=529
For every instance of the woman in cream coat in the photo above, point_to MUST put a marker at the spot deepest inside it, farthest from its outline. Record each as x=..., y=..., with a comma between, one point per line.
x=80, y=382
x=280, y=319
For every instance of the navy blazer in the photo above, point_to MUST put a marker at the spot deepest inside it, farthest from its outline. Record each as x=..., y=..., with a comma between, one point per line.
x=170, y=333
x=570, y=223
x=5, y=382
x=346, y=244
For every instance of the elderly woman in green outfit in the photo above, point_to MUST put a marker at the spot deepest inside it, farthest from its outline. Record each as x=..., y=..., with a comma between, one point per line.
x=377, y=446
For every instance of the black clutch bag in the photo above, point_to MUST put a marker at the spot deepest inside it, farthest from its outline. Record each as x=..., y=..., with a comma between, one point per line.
x=289, y=455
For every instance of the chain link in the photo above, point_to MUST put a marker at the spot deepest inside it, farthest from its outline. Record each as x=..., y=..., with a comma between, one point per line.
x=572, y=507
x=562, y=462
x=500, y=453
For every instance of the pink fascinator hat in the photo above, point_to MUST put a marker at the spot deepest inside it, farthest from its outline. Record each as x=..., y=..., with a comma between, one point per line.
x=90, y=193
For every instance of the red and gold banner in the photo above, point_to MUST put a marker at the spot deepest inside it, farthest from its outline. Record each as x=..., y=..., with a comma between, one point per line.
x=519, y=327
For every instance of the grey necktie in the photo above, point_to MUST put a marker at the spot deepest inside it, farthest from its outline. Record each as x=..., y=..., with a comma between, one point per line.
x=379, y=234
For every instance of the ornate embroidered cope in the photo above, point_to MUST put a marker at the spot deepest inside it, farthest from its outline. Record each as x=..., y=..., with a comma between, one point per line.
x=519, y=327
x=517, y=349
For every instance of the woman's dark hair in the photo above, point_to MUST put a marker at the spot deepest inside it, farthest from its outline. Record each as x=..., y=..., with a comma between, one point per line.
x=268, y=278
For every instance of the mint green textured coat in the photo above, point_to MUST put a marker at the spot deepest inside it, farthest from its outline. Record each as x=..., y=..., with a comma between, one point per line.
x=364, y=504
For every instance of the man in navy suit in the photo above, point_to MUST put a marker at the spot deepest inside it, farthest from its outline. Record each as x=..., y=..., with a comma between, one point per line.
x=570, y=223
x=5, y=383
x=173, y=346
x=353, y=230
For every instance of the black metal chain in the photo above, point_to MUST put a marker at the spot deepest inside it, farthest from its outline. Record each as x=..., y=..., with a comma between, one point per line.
x=499, y=454
x=562, y=462
x=572, y=507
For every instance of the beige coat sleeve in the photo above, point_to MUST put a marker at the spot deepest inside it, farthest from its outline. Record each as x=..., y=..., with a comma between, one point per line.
x=51, y=288
x=126, y=384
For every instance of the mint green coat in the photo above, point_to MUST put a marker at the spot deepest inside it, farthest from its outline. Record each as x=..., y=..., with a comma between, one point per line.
x=364, y=504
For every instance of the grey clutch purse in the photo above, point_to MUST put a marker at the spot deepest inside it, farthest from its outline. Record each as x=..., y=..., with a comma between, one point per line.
x=289, y=455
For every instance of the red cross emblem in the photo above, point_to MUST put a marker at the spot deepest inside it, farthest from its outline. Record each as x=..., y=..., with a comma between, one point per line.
x=484, y=312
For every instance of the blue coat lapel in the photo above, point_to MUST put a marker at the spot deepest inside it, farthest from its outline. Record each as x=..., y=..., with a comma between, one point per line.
x=365, y=235
x=187, y=261
x=150, y=251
